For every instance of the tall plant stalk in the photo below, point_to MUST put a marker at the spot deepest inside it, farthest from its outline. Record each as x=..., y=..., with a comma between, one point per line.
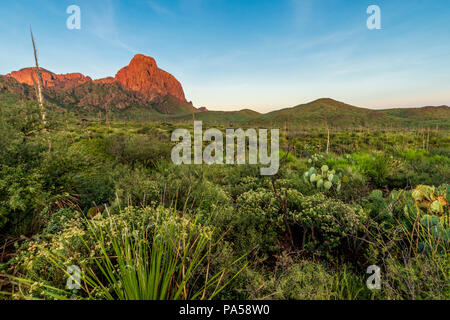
x=39, y=81
x=328, y=138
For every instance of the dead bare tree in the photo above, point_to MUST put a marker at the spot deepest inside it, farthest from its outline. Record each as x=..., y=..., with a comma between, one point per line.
x=39, y=84
x=328, y=138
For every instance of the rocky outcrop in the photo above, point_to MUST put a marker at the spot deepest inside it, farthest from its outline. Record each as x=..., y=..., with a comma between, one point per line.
x=144, y=76
x=105, y=80
x=49, y=79
x=141, y=75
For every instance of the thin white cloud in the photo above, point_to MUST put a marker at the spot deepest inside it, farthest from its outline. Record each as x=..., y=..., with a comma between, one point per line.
x=159, y=9
x=103, y=25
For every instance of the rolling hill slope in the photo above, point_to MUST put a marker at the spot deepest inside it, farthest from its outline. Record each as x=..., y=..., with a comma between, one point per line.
x=221, y=117
x=341, y=115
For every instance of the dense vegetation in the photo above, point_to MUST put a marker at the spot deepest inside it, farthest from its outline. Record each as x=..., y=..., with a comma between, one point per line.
x=104, y=195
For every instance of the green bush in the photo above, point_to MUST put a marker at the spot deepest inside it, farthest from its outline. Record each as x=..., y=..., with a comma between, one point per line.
x=422, y=277
x=256, y=223
x=304, y=280
x=130, y=193
x=132, y=150
x=328, y=227
x=118, y=256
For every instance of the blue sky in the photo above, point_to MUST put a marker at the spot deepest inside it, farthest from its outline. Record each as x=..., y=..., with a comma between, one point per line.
x=257, y=54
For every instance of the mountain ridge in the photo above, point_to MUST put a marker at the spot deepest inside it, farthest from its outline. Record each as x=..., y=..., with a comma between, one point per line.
x=141, y=85
x=142, y=74
x=142, y=90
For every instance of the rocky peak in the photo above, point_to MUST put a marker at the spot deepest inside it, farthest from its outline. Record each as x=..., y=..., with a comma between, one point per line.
x=144, y=76
x=141, y=75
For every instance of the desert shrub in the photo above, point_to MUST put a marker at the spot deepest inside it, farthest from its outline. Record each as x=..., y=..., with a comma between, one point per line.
x=103, y=249
x=422, y=277
x=431, y=171
x=414, y=154
x=186, y=187
x=236, y=176
x=60, y=237
x=329, y=227
x=36, y=183
x=207, y=196
x=244, y=185
x=299, y=165
x=354, y=186
x=286, y=157
x=354, y=183
x=22, y=198
x=22, y=194
x=145, y=150
x=60, y=166
x=291, y=177
x=375, y=167
x=94, y=187
x=135, y=187
x=303, y=280
x=256, y=223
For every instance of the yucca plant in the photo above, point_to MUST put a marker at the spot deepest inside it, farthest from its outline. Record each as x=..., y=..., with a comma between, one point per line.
x=164, y=260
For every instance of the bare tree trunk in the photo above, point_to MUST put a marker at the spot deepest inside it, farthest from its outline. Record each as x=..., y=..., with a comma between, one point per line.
x=423, y=139
x=328, y=138
x=39, y=82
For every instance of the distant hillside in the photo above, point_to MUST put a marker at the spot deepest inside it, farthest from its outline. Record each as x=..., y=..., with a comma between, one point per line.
x=438, y=115
x=317, y=113
x=341, y=115
x=221, y=116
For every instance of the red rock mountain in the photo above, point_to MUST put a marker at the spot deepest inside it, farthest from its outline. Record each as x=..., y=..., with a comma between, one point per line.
x=141, y=75
x=49, y=79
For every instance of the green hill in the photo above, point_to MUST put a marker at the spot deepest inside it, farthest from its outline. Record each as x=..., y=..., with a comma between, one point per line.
x=220, y=117
x=325, y=111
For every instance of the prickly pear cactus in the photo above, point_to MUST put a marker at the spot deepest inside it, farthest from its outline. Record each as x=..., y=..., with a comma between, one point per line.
x=323, y=179
x=432, y=204
x=431, y=200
